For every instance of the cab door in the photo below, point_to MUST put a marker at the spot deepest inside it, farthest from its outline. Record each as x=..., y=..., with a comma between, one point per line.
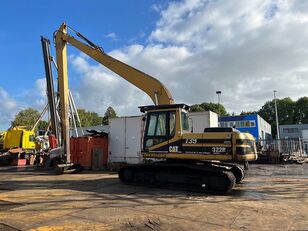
x=160, y=128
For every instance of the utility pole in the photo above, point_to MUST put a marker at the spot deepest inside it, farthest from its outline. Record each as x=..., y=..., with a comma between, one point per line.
x=277, y=123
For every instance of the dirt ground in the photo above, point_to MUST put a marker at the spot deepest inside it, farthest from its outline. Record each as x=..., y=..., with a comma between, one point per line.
x=270, y=198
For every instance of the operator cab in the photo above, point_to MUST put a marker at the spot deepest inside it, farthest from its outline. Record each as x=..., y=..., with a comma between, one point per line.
x=163, y=123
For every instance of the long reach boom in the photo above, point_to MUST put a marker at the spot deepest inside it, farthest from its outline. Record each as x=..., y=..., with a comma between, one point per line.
x=159, y=94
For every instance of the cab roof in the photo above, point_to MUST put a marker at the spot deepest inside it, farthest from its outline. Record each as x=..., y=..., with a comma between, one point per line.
x=164, y=106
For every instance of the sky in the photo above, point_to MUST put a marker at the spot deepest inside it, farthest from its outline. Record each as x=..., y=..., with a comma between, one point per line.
x=245, y=49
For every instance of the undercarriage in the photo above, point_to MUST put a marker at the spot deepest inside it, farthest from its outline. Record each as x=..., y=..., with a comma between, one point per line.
x=214, y=177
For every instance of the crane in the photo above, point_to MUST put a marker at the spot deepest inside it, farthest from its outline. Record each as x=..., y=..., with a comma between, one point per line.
x=202, y=161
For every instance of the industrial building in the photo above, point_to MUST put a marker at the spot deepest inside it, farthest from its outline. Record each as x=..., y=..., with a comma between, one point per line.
x=295, y=132
x=252, y=123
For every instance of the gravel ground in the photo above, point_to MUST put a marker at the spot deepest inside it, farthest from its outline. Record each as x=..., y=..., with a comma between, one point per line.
x=271, y=197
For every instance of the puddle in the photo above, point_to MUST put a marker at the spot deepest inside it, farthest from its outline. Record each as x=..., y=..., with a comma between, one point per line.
x=250, y=194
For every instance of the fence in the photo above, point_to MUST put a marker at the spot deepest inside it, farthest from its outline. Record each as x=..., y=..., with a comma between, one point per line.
x=285, y=146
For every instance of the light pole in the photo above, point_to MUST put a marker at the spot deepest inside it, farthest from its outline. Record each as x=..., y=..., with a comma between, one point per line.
x=277, y=123
x=218, y=96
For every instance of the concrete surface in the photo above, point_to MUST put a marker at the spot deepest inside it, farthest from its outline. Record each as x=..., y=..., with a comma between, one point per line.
x=270, y=198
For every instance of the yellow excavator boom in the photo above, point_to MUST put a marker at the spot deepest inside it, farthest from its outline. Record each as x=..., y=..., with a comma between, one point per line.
x=151, y=86
x=159, y=94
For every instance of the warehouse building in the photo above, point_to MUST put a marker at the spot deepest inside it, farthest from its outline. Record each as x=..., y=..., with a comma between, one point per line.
x=295, y=132
x=253, y=123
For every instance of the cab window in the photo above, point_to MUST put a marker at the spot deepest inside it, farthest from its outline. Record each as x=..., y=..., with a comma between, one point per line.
x=161, y=125
x=157, y=125
x=152, y=125
x=159, y=128
x=171, y=124
x=31, y=138
x=185, y=121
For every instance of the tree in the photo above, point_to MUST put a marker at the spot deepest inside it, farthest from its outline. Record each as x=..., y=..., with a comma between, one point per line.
x=217, y=108
x=285, y=108
x=248, y=112
x=26, y=117
x=286, y=111
x=110, y=113
x=88, y=118
x=42, y=125
x=196, y=108
x=301, y=110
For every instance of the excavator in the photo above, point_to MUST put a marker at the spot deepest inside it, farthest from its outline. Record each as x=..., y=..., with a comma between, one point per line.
x=209, y=161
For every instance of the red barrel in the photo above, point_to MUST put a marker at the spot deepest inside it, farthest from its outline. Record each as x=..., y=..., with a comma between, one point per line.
x=53, y=142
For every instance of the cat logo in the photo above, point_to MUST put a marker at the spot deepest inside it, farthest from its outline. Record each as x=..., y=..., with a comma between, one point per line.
x=173, y=148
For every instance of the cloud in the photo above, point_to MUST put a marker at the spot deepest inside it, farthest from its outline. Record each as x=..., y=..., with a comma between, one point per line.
x=9, y=107
x=100, y=88
x=156, y=7
x=246, y=49
x=112, y=36
x=36, y=96
x=12, y=104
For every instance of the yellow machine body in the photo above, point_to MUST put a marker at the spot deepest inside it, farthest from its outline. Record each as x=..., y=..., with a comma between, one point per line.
x=19, y=138
x=167, y=136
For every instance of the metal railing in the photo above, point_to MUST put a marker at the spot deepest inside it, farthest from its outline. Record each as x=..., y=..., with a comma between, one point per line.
x=285, y=146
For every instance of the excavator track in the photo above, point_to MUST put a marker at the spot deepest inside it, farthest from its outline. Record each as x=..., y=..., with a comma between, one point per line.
x=201, y=178
x=236, y=169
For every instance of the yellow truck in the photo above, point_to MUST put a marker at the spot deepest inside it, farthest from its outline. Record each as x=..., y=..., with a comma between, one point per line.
x=16, y=143
x=18, y=137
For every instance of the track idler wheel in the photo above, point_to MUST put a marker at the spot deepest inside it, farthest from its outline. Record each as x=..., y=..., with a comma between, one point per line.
x=222, y=183
x=239, y=173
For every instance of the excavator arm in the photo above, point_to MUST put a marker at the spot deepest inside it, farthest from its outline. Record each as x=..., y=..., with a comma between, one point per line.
x=151, y=86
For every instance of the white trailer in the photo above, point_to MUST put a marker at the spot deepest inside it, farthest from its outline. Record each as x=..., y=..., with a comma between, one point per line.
x=201, y=120
x=125, y=139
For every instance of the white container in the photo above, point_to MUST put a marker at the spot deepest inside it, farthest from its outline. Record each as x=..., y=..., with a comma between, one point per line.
x=201, y=120
x=125, y=140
